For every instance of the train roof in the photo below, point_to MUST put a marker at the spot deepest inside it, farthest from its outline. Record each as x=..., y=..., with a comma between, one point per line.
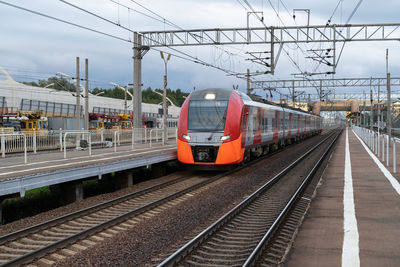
x=224, y=94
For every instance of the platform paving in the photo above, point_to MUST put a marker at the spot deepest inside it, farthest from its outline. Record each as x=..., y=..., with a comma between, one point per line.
x=321, y=239
x=48, y=168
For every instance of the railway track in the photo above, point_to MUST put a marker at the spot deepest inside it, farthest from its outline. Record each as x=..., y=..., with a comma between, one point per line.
x=61, y=237
x=54, y=240
x=240, y=237
x=31, y=243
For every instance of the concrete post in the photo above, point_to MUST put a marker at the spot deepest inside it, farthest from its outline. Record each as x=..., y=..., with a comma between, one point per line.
x=371, y=119
x=78, y=98
x=78, y=191
x=165, y=114
x=137, y=81
x=1, y=211
x=293, y=96
x=34, y=142
x=86, y=94
x=248, y=82
x=3, y=144
x=389, y=113
x=124, y=180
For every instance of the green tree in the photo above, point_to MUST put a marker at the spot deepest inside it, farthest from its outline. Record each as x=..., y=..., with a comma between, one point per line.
x=148, y=95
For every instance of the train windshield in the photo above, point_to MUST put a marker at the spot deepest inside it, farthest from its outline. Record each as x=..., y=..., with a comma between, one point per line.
x=207, y=115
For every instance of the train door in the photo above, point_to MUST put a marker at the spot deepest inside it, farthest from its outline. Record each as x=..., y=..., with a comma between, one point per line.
x=268, y=126
x=281, y=124
x=251, y=126
x=244, y=123
x=276, y=124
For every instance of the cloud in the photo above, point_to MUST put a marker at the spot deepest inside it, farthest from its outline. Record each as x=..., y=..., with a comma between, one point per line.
x=41, y=46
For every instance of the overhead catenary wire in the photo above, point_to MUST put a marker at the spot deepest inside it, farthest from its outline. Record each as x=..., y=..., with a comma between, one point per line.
x=195, y=60
x=172, y=24
x=190, y=58
x=65, y=21
x=168, y=22
x=287, y=53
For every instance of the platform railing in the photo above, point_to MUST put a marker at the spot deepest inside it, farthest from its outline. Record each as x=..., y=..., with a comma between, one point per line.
x=380, y=144
x=5, y=137
x=79, y=136
x=57, y=140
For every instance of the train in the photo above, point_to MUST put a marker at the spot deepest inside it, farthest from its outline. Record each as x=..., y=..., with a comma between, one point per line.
x=220, y=127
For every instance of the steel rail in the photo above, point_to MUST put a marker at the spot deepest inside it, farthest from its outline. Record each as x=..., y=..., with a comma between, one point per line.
x=191, y=245
x=70, y=216
x=257, y=252
x=104, y=225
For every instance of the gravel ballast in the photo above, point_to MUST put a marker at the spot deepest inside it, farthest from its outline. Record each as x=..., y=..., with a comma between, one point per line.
x=153, y=239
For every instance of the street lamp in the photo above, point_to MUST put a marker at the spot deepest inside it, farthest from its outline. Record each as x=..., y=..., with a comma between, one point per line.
x=165, y=96
x=170, y=101
x=126, y=92
x=102, y=92
x=47, y=86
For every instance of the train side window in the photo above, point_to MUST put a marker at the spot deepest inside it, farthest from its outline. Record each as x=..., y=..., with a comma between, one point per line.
x=254, y=125
x=244, y=120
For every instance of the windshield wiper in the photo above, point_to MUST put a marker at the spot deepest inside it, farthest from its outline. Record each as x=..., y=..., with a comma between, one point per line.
x=216, y=128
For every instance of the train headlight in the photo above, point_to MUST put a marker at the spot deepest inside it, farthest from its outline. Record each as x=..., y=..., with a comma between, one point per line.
x=209, y=96
x=187, y=137
x=225, y=137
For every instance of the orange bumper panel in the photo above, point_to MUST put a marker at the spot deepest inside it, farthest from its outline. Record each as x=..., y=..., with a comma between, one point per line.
x=230, y=152
x=184, y=152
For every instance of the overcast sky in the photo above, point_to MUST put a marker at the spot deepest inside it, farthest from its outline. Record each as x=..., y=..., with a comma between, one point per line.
x=33, y=47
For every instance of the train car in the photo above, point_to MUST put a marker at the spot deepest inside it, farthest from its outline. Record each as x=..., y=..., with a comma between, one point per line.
x=224, y=127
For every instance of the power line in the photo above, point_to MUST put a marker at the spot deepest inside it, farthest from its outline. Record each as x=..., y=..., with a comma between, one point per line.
x=64, y=21
x=195, y=60
x=170, y=23
x=142, y=13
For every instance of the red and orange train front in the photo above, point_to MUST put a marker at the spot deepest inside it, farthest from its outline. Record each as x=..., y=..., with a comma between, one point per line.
x=209, y=128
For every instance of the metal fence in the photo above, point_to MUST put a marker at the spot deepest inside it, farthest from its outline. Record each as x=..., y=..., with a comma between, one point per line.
x=61, y=139
x=381, y=145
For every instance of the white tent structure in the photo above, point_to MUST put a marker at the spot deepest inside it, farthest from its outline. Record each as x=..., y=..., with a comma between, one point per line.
x=15, y=96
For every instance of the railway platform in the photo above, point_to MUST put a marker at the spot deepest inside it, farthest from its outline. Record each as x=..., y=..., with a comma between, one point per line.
x=354, y=219
x=52, y=168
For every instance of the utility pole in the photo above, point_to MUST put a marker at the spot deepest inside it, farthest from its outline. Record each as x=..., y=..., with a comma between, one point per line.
x=388, y=110
x=364, y=125
x=125, y=103
x=87, y=94
x=293, y=96
x=165, y=110
x=248, y=81
x=371, y=119
x=78, y=97
x=137, y=81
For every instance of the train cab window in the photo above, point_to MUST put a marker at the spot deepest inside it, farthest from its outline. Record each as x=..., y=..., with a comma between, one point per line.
x=207, y=115
x=43, y=125
x=23, y=124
